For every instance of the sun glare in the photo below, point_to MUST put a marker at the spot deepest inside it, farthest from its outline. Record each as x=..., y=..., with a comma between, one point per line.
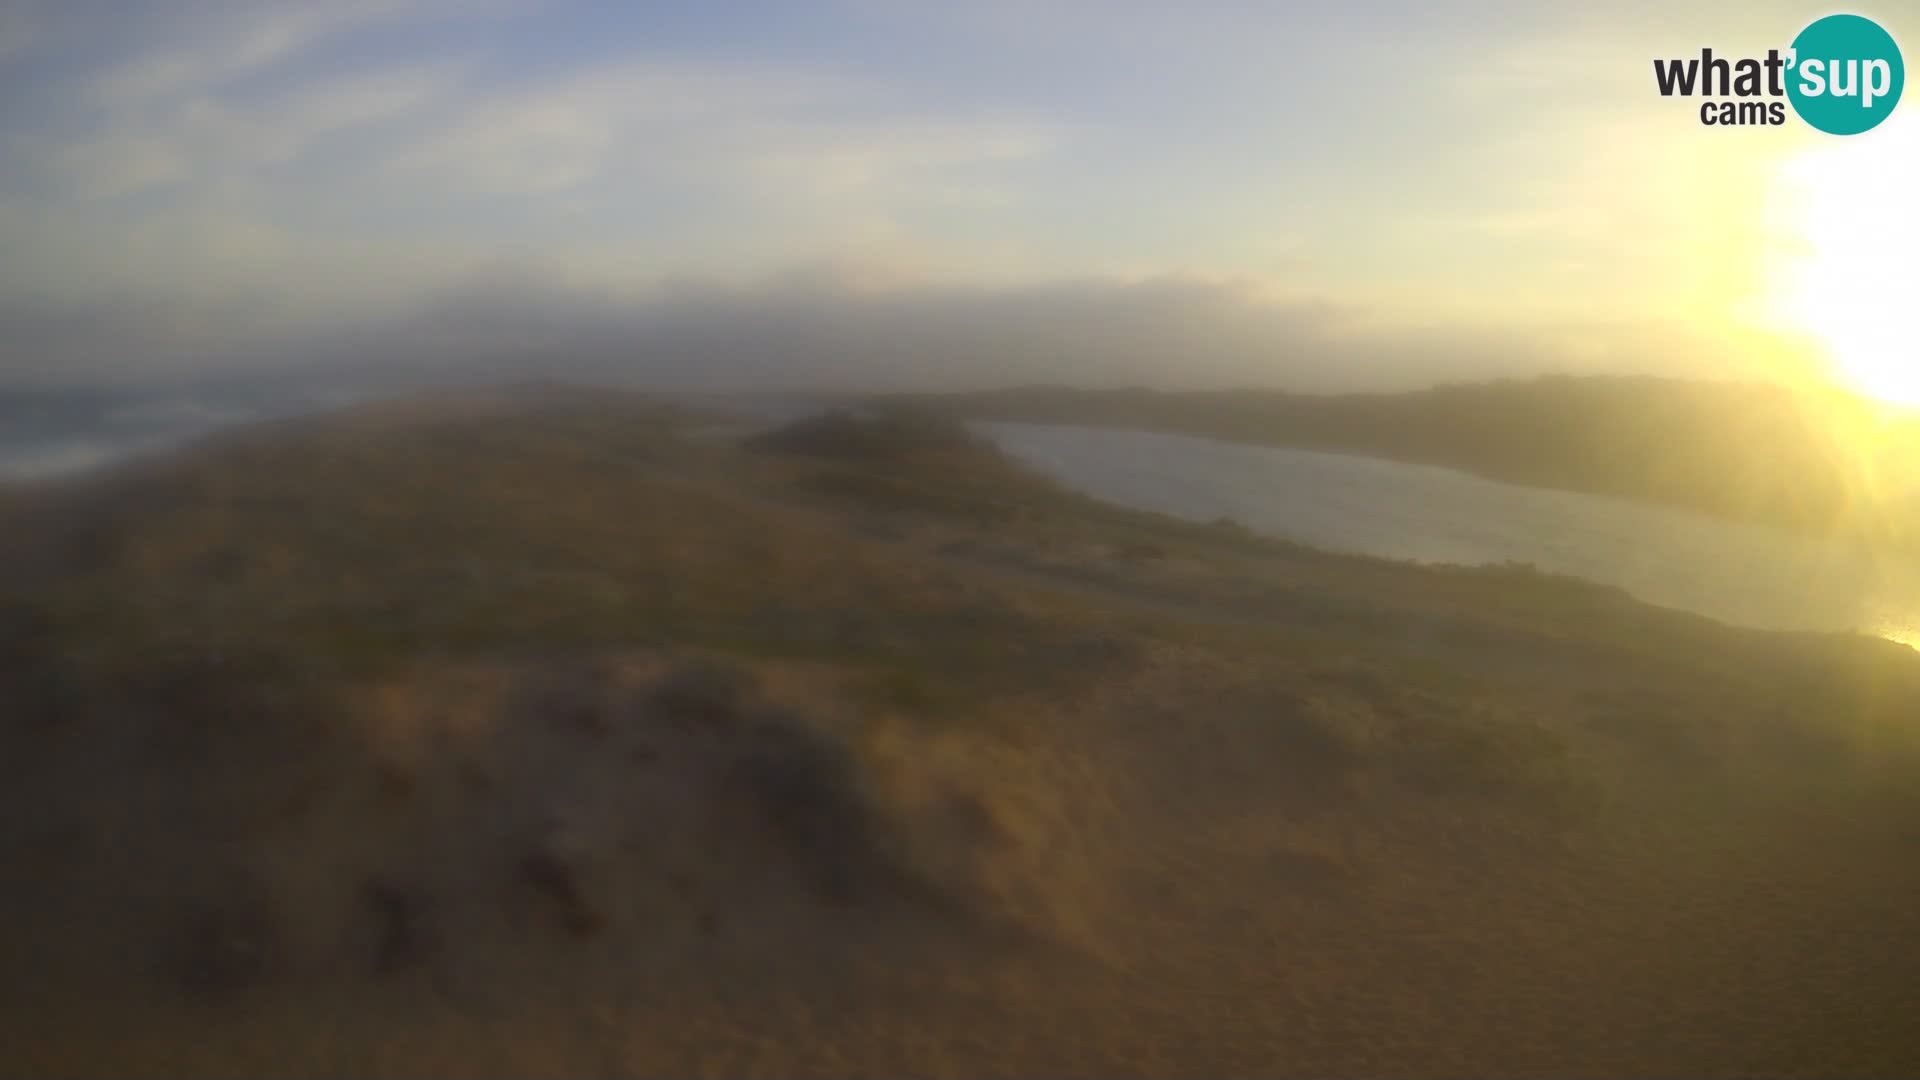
x=1851, y=217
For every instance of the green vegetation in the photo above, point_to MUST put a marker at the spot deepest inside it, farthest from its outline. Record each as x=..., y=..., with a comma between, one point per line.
x=524, y=733
x=895, y=435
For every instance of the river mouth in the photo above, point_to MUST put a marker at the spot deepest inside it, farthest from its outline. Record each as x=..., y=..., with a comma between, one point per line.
x=1738, y=573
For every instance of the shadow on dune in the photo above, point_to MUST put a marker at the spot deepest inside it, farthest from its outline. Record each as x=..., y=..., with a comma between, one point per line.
x=211, y=833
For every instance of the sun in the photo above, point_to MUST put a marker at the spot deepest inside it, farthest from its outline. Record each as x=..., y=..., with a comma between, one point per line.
x=1849, y=274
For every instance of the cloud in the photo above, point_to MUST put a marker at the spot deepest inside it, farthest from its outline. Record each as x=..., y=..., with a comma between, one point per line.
x=391, y=181
x=825, y=328
x=204, y=141
x=117, y=164
x=771, y=132
x=196, y=184
x=203, y=43
x=20, y=31
x=863, y=160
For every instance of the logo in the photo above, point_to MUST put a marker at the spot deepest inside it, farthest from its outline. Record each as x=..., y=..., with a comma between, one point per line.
x=1842, y=74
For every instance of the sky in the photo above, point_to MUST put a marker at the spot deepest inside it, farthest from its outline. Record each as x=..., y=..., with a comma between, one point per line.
x=908, y=194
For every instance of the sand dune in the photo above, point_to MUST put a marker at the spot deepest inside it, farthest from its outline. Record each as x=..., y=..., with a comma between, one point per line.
x=525, y=737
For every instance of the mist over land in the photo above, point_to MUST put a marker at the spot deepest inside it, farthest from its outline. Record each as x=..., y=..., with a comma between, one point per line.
x=512, y=562
x=829, y=329
x=539, y=731
x=493, y=727
x=1818, y=462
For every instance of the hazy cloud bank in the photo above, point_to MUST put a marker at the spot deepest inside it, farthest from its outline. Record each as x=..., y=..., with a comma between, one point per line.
x=816, y=330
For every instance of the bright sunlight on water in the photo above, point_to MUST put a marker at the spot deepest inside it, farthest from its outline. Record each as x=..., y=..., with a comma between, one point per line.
x=1739, y=573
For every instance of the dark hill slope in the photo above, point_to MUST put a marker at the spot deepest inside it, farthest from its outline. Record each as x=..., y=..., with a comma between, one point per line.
x=541, y=734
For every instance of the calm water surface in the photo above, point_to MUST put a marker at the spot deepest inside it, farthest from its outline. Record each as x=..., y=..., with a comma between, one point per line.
x=1744, y=574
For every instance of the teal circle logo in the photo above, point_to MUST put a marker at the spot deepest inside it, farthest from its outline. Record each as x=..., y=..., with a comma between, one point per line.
x=1846, y=74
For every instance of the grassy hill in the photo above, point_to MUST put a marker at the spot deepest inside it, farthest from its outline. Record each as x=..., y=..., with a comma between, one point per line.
x=1759, y=453
x=553, y=732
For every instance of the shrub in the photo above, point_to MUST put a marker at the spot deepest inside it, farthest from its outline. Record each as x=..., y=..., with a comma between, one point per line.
x=871, y=436
x=806, y=787
x=704, y=693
